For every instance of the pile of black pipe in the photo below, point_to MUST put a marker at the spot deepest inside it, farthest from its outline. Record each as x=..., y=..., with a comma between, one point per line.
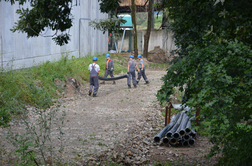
x=178, y=132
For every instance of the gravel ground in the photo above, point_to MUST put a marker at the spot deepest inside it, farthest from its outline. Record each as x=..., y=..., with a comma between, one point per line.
x=95, y=124
x=101, y=121
x=117, y=126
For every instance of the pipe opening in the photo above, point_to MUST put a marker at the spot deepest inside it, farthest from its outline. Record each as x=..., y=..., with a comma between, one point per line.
x=169, y=135
x=157, y=139
x=176, y=135
x=193, y=135
x=185, y=143
x=182, y=132
x=187, y=130
x=186, y=137
x=173, y=141
x=191, y=142
x=165, y=140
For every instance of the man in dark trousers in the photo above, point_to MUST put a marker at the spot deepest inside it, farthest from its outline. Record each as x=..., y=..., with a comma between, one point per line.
x=94, y=70
x=109, y=68
x=131, y=71
x=142, y=70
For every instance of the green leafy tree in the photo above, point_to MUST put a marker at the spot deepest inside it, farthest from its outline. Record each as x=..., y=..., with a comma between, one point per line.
x=43, y=14
x=111, y=24
x=109, y=6
x=214, y=43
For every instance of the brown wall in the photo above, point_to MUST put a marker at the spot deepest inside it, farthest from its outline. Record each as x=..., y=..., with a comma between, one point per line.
x=128, y=2
x=138, y=2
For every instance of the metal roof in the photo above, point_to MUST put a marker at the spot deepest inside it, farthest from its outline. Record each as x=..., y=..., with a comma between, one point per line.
x=128, y=24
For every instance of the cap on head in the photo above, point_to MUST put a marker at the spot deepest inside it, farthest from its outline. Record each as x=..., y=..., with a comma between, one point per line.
x=107, y=55
x=131, y=56
x=139, y=56
x=95, y=59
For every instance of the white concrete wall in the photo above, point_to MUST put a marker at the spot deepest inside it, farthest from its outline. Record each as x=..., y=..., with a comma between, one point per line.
x=157, y=38
x=26, y=52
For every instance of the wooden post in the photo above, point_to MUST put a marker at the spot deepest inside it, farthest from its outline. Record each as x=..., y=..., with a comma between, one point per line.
x=169, y=116
x=168, y=119
x=166, y=110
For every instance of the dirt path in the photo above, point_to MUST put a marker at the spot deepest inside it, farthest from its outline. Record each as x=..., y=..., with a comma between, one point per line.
x=118, y=125
x=93, y=124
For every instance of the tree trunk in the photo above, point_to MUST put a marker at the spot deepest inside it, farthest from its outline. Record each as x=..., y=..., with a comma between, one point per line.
x=133, y=17
x=164, y=20
x=147, y=34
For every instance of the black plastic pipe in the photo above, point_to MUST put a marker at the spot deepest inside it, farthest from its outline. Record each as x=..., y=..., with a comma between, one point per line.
x=176, y=135
x=113, y=78
x=193, y=133
x=191, y=142
x=175, y=127
x=173, y=141
x=165, y=140
x=168, y=127
x=188, y=126
x=183, y=125
x=186, y=137
x=185, y=143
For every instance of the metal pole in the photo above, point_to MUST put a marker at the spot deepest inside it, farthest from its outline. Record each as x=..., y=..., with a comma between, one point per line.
x=115, y=42
x=130, y=41
x=122, y=40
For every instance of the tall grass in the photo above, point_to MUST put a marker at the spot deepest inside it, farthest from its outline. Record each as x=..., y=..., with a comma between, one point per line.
x=35, y=86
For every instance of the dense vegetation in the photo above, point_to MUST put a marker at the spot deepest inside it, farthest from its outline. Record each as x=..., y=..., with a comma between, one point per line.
x=35, y=86
x=214, y=40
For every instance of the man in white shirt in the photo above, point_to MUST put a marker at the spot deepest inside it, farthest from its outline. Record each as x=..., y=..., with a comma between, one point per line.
x=94, y=70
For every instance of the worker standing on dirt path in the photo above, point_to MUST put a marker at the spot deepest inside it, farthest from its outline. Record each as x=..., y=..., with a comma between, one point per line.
x=142, y=70
x=109, y=68
x=131, y=71
x=94, y=70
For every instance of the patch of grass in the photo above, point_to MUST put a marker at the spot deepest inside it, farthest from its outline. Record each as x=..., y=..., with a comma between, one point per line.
x=160, y=65
x=101, y=144
x=35, y=86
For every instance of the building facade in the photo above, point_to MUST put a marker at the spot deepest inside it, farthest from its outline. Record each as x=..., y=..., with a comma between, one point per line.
x=18, y=51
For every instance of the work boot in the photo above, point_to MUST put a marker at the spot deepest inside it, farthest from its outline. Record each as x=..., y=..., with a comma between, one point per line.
x=89, y=93
x=135, y=86
x=129, y=86
x=103, y=82
x=147, y=82
x=94, y=95
x=114, y=83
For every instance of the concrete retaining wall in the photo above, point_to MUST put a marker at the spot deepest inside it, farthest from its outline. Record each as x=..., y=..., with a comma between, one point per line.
x=157, y=38
x=17, y=50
